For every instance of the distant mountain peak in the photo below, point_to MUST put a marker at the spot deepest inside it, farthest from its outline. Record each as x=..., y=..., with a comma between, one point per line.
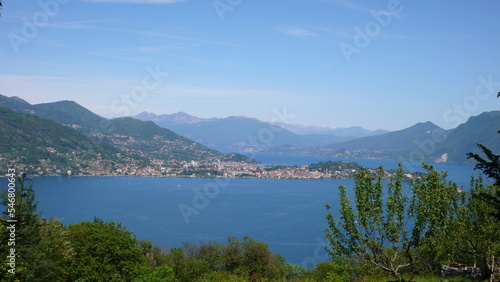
x=353, y=131
x=146, y=116
x=15, y=103
x=428, y=125
x=239, y=117
x=175, y=118
x=61, y=103
x=19, y=100
x=184, y=115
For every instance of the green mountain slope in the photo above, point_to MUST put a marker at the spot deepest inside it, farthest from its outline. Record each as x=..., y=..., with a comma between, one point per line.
x=481, y=129
x=397, y=140
x=423, y=142
x=70, y=113
x=129, y=135
x=392, y=145
x=39, y=144
x=15, y=103
x=151, y=141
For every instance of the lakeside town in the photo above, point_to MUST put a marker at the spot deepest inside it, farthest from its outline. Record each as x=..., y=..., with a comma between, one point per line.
x=208, y=168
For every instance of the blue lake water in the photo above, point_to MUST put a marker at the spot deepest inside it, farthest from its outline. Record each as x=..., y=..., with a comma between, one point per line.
x=288, y=215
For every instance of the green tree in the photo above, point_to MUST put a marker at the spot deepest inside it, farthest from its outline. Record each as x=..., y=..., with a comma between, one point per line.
x=232, y=256
x=237, y=259
x=332, y=271
x=478, y=232
x=186, y=268
x=104, y=251
x=394, y=232
x=476, y=237
x=53, y=255
x=210, y=252
x=259, y=259
x=21, y=207
x=158, y=274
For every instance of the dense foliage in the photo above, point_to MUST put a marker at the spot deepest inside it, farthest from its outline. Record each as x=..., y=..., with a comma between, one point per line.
x=413, y=230
x=490, y=165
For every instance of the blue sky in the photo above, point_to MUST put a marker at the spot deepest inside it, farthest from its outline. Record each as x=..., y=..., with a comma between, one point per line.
x=337, y=63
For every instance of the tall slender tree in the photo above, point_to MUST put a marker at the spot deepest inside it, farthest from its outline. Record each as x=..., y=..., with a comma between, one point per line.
x=396, y=233
x=23, y=209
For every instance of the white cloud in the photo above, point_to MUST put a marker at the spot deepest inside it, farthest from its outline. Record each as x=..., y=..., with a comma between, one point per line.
x=299, y=32
x=350, y=5
x=77, y=24
x=353, y=6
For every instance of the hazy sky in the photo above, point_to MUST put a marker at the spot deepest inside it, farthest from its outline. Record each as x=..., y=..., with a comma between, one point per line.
x=338, y=63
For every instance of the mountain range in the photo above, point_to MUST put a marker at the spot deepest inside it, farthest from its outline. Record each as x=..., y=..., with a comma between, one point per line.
x=183, y=137
x=65, y=134
x=423, y=142
x=349, y=132
x=243, y=134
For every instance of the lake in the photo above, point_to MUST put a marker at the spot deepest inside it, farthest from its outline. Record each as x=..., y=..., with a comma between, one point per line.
x=288, y=215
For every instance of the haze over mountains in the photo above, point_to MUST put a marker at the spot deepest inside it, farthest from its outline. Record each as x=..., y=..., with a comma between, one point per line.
x=423, y=142
x=239, y=133
x=182, y=136
x=350, y=132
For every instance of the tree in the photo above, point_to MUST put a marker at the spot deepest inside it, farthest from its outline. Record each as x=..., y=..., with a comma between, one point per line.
x=396, y=233
x=158, y=274
x=104, y=251
x=53, y=254
x=21, y=206
x=186, y=268
x=245, y=259
x=476, y=238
